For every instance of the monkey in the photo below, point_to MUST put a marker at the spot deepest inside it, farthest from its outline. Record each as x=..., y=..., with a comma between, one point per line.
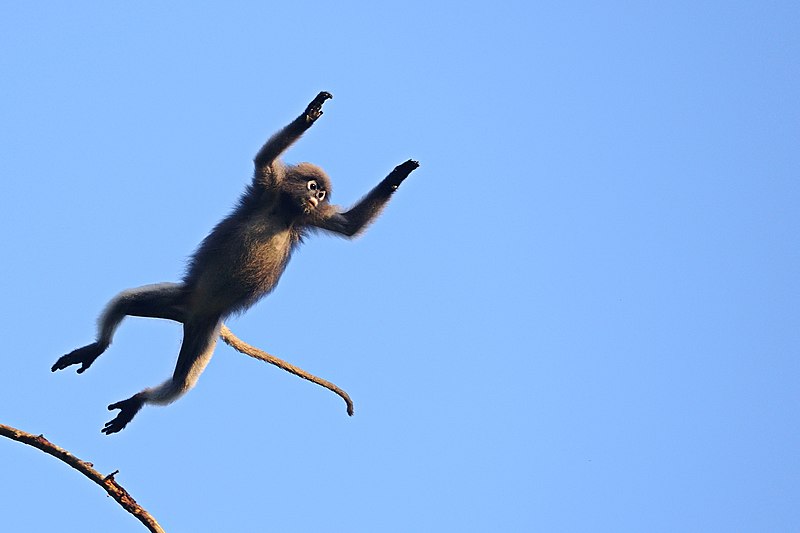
x=239, y=262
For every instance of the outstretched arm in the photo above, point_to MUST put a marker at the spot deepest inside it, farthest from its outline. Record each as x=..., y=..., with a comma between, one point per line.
x=278, y=143
x=352, y=222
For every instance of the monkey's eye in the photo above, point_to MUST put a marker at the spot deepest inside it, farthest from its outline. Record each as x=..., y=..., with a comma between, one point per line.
x=321, y=195
x=312, y=185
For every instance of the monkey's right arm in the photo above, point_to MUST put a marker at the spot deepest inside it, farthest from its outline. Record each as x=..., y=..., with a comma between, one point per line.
x=350, y=223
x=278, y=143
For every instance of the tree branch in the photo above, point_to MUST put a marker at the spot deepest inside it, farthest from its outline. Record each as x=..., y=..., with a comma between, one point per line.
x=108, y=482
x=237, y=344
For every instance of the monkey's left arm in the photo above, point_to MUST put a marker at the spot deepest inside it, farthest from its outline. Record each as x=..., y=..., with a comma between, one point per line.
x=278, y=143
x=355, y=220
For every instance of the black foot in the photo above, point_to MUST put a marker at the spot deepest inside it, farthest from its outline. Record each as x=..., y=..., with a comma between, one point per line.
x=128, y=409
x=84, y=356
x=314, y=109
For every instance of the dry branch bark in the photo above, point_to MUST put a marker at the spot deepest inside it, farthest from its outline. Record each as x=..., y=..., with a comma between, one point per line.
x=239, y=345
x=108, y=482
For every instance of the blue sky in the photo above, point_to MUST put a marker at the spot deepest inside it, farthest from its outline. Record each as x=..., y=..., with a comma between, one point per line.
x=580, y=313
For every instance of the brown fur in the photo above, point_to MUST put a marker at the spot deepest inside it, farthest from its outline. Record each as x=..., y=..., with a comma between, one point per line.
x=239, y=262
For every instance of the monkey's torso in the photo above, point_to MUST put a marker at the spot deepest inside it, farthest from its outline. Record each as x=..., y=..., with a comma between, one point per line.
x=243, y=257
x=239, y=262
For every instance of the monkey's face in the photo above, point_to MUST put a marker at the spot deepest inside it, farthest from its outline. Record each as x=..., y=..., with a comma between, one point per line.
x=307, y=195
x=308, y=186
x=314, y=196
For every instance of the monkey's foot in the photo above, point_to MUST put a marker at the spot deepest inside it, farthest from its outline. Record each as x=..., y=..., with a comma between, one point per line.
x=314, y=109
x=128, y=409
x=84, y=356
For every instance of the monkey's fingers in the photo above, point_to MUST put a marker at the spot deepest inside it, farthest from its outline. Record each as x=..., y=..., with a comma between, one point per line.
x=84, y=356
x=314, y=109
x=128, y=409
x=408, y=166
x=401, y=172
x=321, y=97
x=115, y=426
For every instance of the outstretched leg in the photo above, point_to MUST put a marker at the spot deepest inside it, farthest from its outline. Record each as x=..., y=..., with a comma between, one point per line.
x=199, y=340
x=162, y=300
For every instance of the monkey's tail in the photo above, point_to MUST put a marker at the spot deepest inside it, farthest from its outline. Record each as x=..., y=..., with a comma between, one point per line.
x=240, y=346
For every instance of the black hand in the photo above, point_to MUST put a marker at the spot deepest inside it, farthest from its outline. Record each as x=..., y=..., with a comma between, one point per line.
x=314, y=109
x=401, y=172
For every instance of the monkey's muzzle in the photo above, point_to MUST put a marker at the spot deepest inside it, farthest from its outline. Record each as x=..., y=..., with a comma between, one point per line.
x=312, y=203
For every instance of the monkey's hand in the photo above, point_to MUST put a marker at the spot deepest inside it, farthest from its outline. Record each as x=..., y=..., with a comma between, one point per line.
x=314, y=109
x=84, y=356
x=128, y=409
x=400, y=172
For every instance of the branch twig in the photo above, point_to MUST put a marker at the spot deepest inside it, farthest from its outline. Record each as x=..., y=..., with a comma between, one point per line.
x=239, y=345
x=108, y=482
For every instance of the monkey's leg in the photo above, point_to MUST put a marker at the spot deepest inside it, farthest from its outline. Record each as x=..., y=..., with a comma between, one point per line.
x=162, y=300
x=199, y=340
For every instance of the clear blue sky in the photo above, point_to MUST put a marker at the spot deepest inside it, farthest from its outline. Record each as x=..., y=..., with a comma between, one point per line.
x=582, y=313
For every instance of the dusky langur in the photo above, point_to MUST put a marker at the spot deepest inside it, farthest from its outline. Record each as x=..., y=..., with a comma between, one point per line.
x=238, y=263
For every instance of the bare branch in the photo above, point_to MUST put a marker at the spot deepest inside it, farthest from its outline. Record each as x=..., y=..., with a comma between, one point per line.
x=237, y=344
x=108, y=482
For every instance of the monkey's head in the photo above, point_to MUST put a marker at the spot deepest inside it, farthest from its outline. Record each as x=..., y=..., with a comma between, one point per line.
x=308, y=186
